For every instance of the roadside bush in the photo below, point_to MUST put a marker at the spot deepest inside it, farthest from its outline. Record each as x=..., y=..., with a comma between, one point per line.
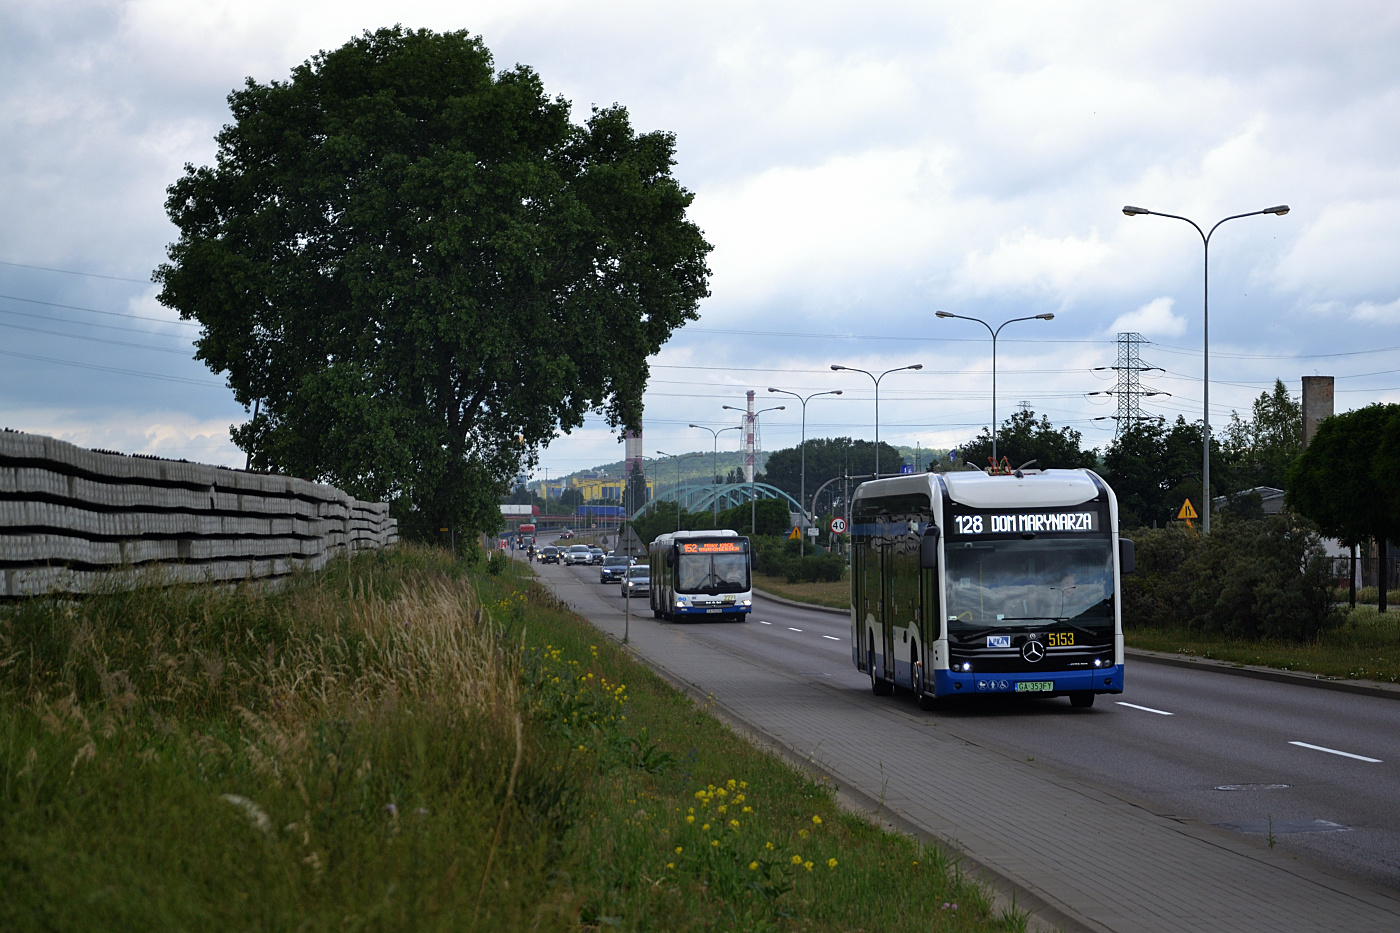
x=815, y=568
x=1252, y=578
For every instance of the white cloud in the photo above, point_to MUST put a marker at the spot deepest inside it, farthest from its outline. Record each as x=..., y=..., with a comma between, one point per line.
x=1154, y=319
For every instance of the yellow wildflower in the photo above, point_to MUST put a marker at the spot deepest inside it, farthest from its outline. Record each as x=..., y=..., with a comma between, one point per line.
x=817, y=820
x=797, y=860
x=753, y=866
x=831, y=863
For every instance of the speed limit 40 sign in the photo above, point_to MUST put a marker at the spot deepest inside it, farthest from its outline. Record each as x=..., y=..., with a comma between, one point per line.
x=838, y=526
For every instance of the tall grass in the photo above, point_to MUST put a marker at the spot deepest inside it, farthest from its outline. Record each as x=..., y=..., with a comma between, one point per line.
x=400, y=743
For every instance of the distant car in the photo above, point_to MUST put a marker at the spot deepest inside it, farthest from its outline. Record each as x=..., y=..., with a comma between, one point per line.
x=549, y=555
x=637, y=582
x=577, y=554
x=613, y=568
x=595, y=555
x=565, y=535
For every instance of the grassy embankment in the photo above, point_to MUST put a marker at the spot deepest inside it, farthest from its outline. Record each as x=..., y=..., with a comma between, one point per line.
x=399, y=743
x=1365, y=646
x=835, y=595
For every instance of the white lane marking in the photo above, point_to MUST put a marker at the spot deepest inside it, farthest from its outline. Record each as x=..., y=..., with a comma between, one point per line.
x=1146, y=709
x=791, y=629
x=761, y=622
x=1333, y=751
x=832, y=637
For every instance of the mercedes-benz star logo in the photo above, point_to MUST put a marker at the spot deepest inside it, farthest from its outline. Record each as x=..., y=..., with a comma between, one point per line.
x=1033, y=651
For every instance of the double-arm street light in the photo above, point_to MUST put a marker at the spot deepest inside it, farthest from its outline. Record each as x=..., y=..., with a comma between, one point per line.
x=753, y=487
x=995, y=333
x=1279, y=210
x=714, y=462
x=876, y=379
x=802, y=497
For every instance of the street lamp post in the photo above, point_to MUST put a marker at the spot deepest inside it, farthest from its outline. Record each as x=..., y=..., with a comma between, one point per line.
x=802, y=496
x=678, y=458
x=995, y=333
x=753, y=482
x=1278, y=210
x=876, y=379
x=714, y=461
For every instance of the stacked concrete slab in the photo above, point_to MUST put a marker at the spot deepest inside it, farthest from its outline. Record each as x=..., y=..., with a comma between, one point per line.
x=74, y=520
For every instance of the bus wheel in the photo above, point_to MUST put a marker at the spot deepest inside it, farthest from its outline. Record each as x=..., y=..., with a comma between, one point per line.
x=1081, y=699
x=880, y=688
x=926, y=702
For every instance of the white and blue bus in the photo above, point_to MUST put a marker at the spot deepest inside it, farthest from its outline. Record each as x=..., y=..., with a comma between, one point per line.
x=700, y=574
x=968, y=584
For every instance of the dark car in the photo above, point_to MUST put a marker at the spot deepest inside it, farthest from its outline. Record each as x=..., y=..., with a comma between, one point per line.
x=613, y=569
x=565, y=535
x=595, y=555
x=549, y=555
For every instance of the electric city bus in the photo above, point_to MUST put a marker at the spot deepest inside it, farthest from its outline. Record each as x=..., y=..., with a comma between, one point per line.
x=700, y=574
x=967, y=584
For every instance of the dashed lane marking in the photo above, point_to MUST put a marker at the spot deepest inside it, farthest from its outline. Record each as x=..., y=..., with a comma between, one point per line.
x=761, y=622
x=1146, y=709
x=791, y=629
x=1333, y=751
x=832, y=637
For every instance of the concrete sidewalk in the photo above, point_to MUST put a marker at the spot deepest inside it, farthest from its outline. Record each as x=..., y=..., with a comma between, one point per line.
x=1081, y=857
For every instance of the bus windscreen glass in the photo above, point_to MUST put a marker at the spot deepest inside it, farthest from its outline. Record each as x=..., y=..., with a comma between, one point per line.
x=712, y=572
x=1012, y=582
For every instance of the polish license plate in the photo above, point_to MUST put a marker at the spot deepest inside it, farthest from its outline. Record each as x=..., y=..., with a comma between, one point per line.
x=1035, y=686
x=714, y=610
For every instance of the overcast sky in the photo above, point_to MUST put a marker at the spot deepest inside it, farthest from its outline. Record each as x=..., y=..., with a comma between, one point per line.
x=856, y=166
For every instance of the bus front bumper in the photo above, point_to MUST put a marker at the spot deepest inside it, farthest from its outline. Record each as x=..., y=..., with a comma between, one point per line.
x=726, y=609
x=1100, y=680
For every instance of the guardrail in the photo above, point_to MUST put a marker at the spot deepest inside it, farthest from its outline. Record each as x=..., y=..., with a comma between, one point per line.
x=72, y=520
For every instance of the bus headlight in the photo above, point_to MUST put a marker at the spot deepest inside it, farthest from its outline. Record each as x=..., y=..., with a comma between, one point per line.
x=746, y=602
x=966, y=666
x=680, y=602
x=1098, y=662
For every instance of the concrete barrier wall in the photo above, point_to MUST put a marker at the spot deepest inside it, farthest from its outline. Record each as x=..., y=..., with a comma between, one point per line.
x=71, y=518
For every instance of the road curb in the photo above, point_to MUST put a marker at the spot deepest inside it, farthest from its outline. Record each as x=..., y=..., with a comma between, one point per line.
x=1363, y=687
x=783, y=600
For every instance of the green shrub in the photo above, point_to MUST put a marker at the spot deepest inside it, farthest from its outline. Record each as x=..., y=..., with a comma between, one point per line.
x=815, y=568
x=1252, y=578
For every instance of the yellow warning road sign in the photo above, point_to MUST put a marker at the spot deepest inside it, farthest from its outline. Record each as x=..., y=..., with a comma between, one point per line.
x=1187, y=512
x=796, y=535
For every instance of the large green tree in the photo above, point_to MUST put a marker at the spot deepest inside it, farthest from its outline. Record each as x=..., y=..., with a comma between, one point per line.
x=1023, y=437
x=1154, y=468
x=421, y=269
x=1345, y=480
x=1258, y=452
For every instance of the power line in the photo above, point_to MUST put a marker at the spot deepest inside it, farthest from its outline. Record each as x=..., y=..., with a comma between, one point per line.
x=139, y=317
x=90, y=275
x=112, y=369
x=115, y=343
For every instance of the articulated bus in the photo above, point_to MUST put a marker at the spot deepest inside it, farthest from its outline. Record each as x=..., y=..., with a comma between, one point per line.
x=700, y=573
x=967, y=584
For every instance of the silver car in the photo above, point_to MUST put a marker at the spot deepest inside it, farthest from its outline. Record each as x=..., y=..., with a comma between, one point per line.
x=637, y=582
x=577, y=554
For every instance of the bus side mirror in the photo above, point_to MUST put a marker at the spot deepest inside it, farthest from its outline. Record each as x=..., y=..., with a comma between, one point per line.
x=928, y=549
x=670, y=557
x=1127, y=559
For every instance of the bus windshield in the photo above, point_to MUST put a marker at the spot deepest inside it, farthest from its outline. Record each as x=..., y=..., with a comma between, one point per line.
x=712, y=573
x=1014, y=583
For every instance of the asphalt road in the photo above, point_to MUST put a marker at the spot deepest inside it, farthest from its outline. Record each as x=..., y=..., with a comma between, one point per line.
x=1316, y=771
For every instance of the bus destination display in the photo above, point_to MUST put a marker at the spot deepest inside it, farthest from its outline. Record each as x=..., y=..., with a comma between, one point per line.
x=713, y=547
x=1008, y=523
